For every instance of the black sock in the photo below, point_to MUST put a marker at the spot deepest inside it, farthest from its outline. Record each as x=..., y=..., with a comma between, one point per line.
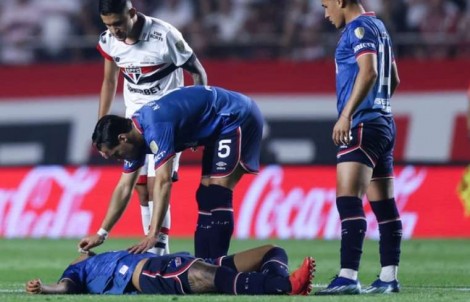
x=390, y=228
x=215, y=221
x=230, y=282
x=353, y=230
x=275, y=262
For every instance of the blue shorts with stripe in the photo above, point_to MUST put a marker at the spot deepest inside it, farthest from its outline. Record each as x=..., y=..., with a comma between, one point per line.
x=167, y=275
x=372, y=144
x=241, y=145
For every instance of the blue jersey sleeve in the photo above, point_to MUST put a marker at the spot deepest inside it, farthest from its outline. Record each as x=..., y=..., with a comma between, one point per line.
x=362, y=39
x=132, y=166
x=162, y=142
x=76, y=274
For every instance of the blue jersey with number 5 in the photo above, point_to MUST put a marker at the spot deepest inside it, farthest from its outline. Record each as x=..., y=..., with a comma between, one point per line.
x=188, y=117
x=365, y=34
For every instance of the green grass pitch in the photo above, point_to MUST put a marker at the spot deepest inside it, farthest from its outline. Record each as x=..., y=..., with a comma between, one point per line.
x=431, y=270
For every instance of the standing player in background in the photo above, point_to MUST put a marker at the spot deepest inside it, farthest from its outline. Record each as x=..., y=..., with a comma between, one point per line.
x=150, y=54
x=366, y=78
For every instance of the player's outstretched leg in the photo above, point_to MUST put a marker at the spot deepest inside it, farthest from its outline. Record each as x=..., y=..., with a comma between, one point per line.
x=301, y=279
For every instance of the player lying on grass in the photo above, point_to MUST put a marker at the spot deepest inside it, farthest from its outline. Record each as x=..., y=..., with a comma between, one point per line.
x=259, y=271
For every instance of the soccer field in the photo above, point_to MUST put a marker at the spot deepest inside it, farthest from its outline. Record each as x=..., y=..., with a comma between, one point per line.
x=431, y=270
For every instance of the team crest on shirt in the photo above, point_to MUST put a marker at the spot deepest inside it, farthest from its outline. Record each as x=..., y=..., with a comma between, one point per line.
x=180, y=46
x=359, y=32
x=153, y=147
x=133, y=72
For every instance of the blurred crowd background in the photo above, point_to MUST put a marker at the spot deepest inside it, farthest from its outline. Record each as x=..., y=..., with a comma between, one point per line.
x=67, y=30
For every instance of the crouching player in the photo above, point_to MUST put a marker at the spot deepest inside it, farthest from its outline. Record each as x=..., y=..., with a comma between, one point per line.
x=259, y=271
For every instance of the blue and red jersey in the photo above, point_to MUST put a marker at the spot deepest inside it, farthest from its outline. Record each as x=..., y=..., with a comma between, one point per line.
x=187, y=117
x=365, y=34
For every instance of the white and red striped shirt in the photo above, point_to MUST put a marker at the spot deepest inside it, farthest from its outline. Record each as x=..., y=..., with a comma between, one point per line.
x=151, y=66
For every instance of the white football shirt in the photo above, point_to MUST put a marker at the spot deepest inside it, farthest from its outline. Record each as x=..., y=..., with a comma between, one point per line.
x=150, y=66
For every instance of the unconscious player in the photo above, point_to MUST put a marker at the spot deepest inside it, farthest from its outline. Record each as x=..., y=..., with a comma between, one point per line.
x=259, y=271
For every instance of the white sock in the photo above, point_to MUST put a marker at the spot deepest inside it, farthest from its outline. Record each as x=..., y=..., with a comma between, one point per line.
x=348, y=273
x=163, y=238
x=176, y=162
x=389, y=273
x=145, y=214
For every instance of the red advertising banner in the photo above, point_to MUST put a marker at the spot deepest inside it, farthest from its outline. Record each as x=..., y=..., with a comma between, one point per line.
x=281, y=202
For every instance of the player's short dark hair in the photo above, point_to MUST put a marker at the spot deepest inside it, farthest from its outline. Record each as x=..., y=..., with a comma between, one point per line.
x=108, y=129
x=107, y=7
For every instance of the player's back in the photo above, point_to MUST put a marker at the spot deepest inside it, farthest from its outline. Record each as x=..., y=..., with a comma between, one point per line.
x=365, y=34
x=196, y=112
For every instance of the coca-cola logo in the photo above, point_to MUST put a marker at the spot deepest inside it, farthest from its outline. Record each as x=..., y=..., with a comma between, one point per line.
x=47, y=203
x=268, y=209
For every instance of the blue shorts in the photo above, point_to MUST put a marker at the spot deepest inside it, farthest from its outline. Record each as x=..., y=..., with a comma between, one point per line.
x=167, y=275
x=372, y=144
x=242, y=145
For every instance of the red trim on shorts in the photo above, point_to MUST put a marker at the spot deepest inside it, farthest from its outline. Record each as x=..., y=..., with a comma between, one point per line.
x=358, y=146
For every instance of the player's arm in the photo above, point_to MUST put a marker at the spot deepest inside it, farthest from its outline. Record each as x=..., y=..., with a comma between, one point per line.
x=119, y=201
x=161, y=200
x=198, y=73
x=108, y=87
x=365, y=80
x=65, y=286
x=395, y=80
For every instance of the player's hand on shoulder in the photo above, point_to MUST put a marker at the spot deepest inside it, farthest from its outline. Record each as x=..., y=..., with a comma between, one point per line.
x=34, y=286
x=143, y=246
x=90, y=242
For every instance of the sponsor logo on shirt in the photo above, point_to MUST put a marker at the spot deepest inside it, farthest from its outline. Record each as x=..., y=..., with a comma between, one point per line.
x=156, y=35
x=153, y=90
x=160, y=155
x=361, y=46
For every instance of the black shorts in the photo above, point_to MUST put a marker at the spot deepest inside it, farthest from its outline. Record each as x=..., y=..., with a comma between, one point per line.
x=372, y=144
x=167, y=275
x=238, y=146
